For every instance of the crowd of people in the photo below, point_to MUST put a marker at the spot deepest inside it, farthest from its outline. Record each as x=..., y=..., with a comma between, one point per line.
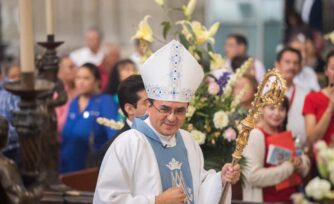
x=99, y=83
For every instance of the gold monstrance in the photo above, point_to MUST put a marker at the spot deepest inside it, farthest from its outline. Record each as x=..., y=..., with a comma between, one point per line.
x=271, y=92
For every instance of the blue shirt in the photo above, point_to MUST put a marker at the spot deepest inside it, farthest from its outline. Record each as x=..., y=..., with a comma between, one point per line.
x=8, y=103
x=81, y=127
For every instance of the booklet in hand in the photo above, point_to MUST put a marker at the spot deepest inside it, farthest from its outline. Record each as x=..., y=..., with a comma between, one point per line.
x=277, y=155
x=284, y=141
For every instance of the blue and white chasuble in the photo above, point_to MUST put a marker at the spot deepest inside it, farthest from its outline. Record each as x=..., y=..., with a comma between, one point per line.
x=172, y=161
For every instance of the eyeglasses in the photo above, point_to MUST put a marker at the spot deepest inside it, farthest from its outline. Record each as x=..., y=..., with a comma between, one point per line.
x=168, y=110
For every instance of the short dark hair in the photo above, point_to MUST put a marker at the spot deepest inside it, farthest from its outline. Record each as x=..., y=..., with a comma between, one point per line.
x=328, y=57
x=128, y=91
x=113, y=78
x=92, y=68
x=240, y=39
x=238, y=61
x=289, y=49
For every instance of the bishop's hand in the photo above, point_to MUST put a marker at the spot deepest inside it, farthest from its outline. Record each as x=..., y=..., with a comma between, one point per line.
x=230, y=173
x=174, y=195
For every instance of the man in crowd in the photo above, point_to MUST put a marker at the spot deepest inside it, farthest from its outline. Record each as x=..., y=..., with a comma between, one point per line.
x=306, y=77
x=289, y=63
x=156, y=162
x=132, y=100
x=93, y=52
x=237, y=45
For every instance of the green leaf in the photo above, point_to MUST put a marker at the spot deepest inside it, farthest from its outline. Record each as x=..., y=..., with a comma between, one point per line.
x=166, y=28
x=184, y=41
x=210, y=48
x=190, y=30
x=197, y=51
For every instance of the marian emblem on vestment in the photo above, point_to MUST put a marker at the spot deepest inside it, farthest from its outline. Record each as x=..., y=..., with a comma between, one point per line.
x=178, y=179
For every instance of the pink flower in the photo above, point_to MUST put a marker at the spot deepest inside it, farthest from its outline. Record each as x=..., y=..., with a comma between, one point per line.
x=230, y=134
x=213, y=88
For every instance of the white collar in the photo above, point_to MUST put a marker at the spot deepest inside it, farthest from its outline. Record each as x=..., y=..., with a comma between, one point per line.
x=169, y=141
x=129, y=122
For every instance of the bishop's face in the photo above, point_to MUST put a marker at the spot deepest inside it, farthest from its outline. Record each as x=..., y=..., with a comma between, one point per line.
x=167, y=116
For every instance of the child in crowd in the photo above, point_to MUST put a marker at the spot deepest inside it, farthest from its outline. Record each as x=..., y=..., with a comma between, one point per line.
x=262, y=177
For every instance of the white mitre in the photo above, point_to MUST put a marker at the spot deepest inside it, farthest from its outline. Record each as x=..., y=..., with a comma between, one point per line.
x=172, y=74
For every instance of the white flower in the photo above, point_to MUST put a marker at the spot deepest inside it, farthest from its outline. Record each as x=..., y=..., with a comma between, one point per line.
x=320, y=145
x=327, y=154
x=213, y=88
x=331, y=166
x=190, y=112
x=198, y=136
x=230, y=134
x=243, y=69
x=331, y=177
x=299, y=198
x=220, y=119
x=318, y=188
x=116, y=125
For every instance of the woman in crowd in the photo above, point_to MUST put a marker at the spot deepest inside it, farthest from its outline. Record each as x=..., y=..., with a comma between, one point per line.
x=82, y=136
x=122, y=70
x=261, y=177
x=66, y=73
x=319, y=108
x=249, y=83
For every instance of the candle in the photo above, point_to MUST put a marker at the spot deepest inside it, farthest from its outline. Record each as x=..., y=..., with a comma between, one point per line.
x=26, y=37
x=49, y=18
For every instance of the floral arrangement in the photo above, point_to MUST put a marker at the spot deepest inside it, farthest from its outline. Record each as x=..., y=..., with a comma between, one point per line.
x=320, y=189
x=116, y=125
x=213, y=113
x=330, y=37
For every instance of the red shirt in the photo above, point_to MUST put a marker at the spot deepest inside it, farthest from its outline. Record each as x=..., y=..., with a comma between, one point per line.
x=104, y=77
x=316, y=104
x=270, y=194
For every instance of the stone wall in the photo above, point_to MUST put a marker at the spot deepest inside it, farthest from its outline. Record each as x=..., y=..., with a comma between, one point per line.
x=118, y=19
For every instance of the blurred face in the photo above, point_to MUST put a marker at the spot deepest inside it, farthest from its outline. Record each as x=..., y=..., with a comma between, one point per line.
x=14, y=73
x=126, y=70
x=67, y=70
x=231, y=48
x=139, y=108
x=310, y=49
x=248, y=96
x=289, y=65
x=111, y=57
x=167, y=116
x=330, y=70
x=92, y=40
x=85, y=82
x=273, y=116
